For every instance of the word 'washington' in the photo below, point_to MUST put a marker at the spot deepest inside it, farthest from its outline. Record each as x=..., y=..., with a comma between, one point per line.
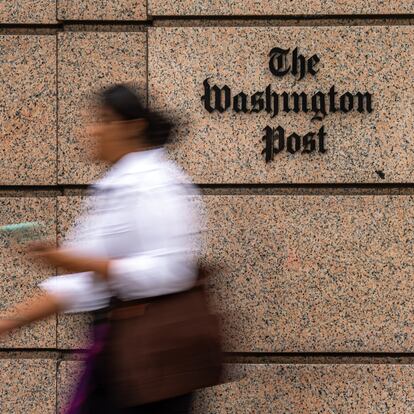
x=319, y=104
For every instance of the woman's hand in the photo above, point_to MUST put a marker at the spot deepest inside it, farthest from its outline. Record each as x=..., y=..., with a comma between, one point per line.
x=6, y=325
x=38, y=307
x=45, y=251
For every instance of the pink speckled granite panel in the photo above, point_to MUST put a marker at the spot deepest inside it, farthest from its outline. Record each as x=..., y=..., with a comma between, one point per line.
x=28, y=386
x=89, y=61
x=119, y=10
x=302, y=273
x=19, y=274
x=28, y=110
x=314, y=273
x=73, y=329
x=312, y=389
x=68, y=375
x=293, y=389
x=28, y=11
x=277, y=7
x=227, y=147
x=69, y=209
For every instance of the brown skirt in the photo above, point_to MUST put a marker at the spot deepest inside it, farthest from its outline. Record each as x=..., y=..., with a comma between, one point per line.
x=93, y=394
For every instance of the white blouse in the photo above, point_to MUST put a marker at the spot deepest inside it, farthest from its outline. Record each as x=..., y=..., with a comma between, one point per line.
x=141, y=216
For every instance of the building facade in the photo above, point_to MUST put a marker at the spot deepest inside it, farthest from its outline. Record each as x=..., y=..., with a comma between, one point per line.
x=296, y=120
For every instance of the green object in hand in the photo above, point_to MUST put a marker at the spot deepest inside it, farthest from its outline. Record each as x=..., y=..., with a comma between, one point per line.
x=23, y=232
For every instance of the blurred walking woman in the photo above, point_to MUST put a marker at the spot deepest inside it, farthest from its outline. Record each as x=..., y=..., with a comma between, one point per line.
x=133, y=258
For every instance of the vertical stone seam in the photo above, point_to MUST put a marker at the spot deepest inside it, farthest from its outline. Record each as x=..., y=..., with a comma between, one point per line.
x=57, y=109
x=57, y=166
x=57, y=365
x=56, y=270
x=147, y=64
x=56, y=316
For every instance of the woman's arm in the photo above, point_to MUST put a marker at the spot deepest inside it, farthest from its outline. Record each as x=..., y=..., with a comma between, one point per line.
x=39, y=307
x=47, y=304
x=70, y=261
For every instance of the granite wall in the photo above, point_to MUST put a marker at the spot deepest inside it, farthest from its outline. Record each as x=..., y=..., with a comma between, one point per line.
x=296, y=119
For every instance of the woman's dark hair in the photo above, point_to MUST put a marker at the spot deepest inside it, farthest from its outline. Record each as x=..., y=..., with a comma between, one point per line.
x=127, y=104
